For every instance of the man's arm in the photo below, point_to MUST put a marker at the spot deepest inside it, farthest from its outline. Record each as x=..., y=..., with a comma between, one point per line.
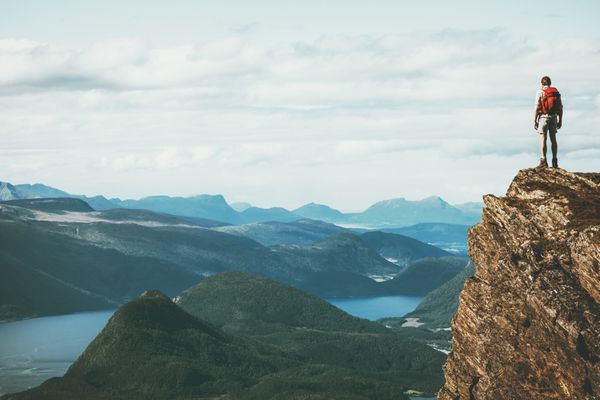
x=536, y=111
x=560, y=118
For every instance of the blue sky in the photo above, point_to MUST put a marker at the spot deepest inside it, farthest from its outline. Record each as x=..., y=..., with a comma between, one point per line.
x=282, y=103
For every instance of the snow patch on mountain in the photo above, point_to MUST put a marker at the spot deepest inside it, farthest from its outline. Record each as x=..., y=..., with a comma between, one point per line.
x=93, y=217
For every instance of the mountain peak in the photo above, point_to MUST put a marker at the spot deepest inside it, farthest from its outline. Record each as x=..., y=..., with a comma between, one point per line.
x=319, y=211
x=402, y=212
x=38, y=190
x=154, y=294
x=434, y=200
x=234, y=299
x=527, y=323
x=391, y=202
x=8, y=192
x=214, y=198
x=153, y=309
x=240, y=206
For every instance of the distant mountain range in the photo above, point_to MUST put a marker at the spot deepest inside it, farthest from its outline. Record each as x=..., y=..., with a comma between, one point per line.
x=320, y=212
x=60, y=256
x=384, y=214
x=450, y=237
x=397, y=248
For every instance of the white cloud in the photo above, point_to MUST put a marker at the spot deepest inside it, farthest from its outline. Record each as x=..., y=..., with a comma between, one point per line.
x=461, y=66
x=129, y=162
x=232, y=115
x=115, y=53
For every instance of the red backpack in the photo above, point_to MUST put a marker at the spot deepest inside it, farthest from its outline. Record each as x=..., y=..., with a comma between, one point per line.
x=550, y=103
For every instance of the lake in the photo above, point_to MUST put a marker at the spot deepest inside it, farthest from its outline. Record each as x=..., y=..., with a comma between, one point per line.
x=374, y=308
x=37, y=349
x=34, y=350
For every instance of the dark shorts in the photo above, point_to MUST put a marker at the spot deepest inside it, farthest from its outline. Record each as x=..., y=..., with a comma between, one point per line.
x=547, y=124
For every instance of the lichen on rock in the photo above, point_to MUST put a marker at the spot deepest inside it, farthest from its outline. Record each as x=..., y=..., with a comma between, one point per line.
x=528, y=322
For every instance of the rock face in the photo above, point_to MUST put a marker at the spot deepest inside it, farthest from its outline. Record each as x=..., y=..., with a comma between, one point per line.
x=528, y=322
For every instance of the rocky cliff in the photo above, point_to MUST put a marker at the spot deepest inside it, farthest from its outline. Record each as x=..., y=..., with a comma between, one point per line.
x=528, y=322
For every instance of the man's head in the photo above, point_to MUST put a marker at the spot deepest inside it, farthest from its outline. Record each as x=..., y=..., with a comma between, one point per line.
x=546, y=81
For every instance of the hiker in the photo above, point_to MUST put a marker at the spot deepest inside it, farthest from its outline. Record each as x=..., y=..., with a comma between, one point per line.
x=548, y=118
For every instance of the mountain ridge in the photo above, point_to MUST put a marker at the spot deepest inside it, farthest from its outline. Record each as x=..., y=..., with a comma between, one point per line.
x=107, y=257
x=386, y=213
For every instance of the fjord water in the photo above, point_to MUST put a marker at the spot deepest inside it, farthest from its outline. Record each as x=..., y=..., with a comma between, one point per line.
x=374, y=308
x=37, y=349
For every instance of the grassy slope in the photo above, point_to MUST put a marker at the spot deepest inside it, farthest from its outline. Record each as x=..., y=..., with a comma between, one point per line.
x=402, y=248
x=47, y=273
x=425, y=275
x=311, y=329
x=153, y=349
x=440, y=305
x=438, y=308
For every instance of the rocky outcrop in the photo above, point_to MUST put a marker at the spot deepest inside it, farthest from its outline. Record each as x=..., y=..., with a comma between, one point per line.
x=528, y=322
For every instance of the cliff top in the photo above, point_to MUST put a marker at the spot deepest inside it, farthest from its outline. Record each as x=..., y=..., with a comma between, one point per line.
x=528, y=322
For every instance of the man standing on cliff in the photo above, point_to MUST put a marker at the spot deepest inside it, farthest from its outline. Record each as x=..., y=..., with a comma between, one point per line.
x=548, y=118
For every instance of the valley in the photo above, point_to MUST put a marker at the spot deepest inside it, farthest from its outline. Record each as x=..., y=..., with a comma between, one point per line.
x=64, y=258
x=235, y=304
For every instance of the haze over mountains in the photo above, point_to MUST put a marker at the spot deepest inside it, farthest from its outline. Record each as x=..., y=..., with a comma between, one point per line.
x=60, y=256
x=62, y=253
x=388, y=213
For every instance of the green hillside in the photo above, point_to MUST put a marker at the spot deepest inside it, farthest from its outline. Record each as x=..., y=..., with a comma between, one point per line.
x=45, y=272
x=401, y=250
x=438, y=308
x=422, y=276
x=343, y=252
x=57, y=256
x=311, y=329
x=152, y=349
x=241, y=302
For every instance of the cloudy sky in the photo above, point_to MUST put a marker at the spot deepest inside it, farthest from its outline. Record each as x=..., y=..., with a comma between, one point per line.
x=282, y=103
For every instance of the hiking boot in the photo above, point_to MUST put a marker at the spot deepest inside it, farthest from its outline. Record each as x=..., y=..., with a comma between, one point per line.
x=555, y=163
x=543, y=163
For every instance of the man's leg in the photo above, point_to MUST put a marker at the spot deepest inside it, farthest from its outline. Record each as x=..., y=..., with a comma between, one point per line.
x=543, y=130
x=543, y=144
x=554, y=148
x=543, y=162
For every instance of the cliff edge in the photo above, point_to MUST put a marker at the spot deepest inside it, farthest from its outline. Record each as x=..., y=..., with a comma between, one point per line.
x=528, y=322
